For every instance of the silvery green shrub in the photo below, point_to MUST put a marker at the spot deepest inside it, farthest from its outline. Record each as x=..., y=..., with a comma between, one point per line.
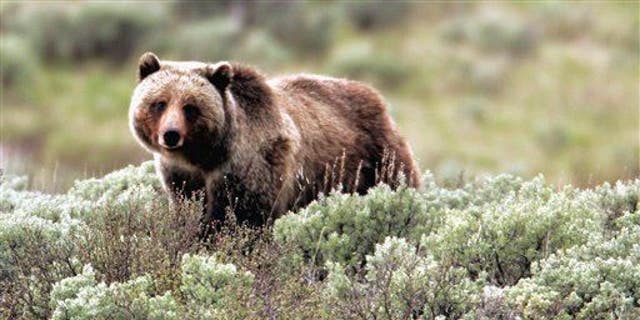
x=313, y=35
x=344, y=228
x=619, y=200
x=365, y=63
x=118, y=186
x=81, y=297
x=42, y=236
x=400, y=282
x=55, y=217
x=365, y=16
x=493, y=32
x=594, y=280
x=495, y=247
x=73, y=32
x=34, y=233
x=502, y=216
x=209, y=289
x=213, y=289
x=503, y=238
x=19, y=66
x=496, y=233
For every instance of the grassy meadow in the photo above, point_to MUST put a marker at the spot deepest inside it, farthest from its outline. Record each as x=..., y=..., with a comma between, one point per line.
x=477, y=88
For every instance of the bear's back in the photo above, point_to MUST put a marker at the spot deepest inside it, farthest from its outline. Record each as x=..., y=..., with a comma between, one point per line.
x=346, y=105
x=340, y=117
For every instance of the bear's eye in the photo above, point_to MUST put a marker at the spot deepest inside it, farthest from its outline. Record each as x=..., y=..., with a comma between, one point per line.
x=158, y=107
x=191, y=111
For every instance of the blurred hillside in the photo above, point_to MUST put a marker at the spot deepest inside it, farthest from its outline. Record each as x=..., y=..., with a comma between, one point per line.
x=476, y=87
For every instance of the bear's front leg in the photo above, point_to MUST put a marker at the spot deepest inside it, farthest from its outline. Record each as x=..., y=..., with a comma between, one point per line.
x=182, y=184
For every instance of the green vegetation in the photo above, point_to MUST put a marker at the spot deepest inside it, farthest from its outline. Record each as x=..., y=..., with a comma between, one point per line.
x=477, y=88
x=499, y=247
x=540, y=87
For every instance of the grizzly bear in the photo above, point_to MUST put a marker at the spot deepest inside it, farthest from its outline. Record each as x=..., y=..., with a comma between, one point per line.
x=259, y=147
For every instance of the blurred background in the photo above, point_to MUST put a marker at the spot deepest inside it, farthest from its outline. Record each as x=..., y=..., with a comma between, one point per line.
x=477, y=88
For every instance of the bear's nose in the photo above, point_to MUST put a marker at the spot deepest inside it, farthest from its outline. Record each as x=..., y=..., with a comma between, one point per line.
x=172, y=139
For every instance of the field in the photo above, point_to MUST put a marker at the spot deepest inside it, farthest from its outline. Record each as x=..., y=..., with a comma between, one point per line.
x=524, y=118
x=477, y=89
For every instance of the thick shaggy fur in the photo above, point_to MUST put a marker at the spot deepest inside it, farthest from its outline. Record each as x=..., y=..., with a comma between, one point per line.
x=261, y=147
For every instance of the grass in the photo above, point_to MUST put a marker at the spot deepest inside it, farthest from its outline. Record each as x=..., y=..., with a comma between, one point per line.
x=554, y=92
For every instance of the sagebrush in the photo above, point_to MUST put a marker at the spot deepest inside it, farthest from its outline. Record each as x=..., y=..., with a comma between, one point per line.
x=495, y=247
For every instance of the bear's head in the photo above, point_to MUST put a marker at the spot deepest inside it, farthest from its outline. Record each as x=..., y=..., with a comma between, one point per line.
x=179, y=110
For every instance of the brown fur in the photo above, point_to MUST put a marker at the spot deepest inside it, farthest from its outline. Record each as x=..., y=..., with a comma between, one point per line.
x=261, y=147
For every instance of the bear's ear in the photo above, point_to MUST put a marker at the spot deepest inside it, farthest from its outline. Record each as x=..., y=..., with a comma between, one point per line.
x=148, y=64
x=219, y=75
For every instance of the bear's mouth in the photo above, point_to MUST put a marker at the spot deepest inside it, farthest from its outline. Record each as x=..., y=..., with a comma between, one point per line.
x=171, y=148
x=168, y=149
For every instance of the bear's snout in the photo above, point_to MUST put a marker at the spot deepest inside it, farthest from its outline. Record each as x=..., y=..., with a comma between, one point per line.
x=171, y=139
x=172, y=128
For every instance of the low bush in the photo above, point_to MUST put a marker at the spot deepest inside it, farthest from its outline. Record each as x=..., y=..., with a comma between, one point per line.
x=344, y=229
x=364, y=64
x=494, y=247
x=494, y=32
x=76, y=32
x=479, y=252
x=400, y=281
x=585, y=282
x=370, y=16
x=208, y=40
x=115, y=223
x=201, y=9
x=299, y=26
x=261, y=49
x=222, y=39
x=18, y=65
x=209, y=288
x=563, y=21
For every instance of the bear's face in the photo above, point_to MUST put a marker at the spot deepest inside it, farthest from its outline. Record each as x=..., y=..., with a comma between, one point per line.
x=178, y=108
